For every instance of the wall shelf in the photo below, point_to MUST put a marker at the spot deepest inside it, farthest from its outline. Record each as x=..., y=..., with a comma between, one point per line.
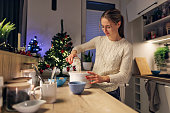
x=165, y=19
x=161, y=39
x=156, y=31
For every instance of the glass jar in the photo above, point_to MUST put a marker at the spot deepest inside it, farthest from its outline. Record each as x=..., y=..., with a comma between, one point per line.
x=32, y=74
x=16, y=93
x=16, y=80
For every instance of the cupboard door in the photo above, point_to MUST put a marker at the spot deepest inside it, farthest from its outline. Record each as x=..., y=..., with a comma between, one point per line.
x=144, y=97
x=137, y=8
x=6, y=67
x=132, y=10
x=161, y=1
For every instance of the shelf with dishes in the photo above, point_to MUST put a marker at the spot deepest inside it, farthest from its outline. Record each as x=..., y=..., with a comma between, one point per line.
x=156, y=24
x=160, y=21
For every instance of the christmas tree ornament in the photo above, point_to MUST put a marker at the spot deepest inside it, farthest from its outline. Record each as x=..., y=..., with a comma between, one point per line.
x=33, y=46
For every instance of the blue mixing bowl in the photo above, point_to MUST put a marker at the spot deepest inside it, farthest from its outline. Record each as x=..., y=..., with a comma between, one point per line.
x=60, y=80
x=155, y=72
x=77, y=87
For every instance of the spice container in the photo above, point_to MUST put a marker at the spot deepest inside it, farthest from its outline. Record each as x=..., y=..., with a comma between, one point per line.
x=16, y=93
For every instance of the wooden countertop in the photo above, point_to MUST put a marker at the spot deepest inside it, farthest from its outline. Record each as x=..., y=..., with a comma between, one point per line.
x=92, y=100
x=161, y=79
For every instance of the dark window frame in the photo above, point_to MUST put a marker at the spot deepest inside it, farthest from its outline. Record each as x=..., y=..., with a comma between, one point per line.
x=99, y=6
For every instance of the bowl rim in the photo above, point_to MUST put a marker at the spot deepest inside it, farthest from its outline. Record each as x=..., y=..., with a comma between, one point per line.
x=158, y=71
x=76, y=83
x=79, y=72
x=18, y=105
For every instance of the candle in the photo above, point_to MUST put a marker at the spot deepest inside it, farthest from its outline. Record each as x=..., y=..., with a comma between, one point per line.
x=19, y=38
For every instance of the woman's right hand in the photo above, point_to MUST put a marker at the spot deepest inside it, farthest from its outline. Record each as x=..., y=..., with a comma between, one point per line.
x=73, y=54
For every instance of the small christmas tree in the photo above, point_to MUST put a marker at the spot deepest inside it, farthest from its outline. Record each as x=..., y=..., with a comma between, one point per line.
x=33, y=46
x=56, y=55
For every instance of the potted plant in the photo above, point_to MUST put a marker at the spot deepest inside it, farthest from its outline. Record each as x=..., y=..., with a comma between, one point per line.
x=87, y=61
x=4, y=32
x=160, y=56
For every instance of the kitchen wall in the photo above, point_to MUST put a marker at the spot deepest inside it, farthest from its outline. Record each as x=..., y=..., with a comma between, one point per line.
x=45, y=23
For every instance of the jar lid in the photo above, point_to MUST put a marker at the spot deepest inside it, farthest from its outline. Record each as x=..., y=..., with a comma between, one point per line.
x=27, y=70
x=17, y=81
x=22, y=78
x=20, y=86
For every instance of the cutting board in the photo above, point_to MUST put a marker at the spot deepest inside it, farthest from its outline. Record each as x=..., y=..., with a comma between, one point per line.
x=143, y=66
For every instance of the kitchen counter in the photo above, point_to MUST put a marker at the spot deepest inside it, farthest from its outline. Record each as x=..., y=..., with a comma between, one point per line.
x=160, y=79
x=92, y=100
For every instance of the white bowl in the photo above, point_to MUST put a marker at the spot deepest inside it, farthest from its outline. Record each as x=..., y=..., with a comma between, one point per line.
x=29, y=106
x=80, y=76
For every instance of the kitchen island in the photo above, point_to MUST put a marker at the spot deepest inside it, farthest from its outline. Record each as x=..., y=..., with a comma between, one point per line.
x=92, y=100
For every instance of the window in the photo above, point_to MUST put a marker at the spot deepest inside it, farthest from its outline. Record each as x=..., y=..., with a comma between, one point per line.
x=93, y=14
x=13, y=11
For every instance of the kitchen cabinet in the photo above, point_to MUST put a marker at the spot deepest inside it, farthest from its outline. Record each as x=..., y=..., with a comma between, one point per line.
x=11, y=64
x=137, y=8
x=161, y=1
x=141, y=99
x=154, y=24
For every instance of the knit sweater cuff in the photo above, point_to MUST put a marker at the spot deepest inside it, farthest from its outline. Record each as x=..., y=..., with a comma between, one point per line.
x=78, y=51
x=113, y=79
x=119, y=79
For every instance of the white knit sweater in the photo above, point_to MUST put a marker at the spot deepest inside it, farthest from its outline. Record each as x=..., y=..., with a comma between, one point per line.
x=113, y=58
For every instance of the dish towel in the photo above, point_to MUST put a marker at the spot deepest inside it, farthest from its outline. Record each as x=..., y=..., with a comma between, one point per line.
x=153, y=96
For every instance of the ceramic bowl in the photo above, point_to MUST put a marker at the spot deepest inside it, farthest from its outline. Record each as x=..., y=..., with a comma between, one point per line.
x=80, y=76
x=29, y=106
x=77, y=87
x=155, y=72
x=60, y=81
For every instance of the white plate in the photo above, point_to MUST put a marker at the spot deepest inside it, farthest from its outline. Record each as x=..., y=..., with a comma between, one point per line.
x=29, y=106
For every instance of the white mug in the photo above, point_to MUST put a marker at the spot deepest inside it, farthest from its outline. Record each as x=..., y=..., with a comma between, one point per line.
x=48, y=92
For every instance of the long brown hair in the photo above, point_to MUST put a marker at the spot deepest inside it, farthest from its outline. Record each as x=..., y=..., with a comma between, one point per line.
x=115, y=16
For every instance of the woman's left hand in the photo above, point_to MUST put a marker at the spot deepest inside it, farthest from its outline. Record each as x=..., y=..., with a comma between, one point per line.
x=95, y=78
